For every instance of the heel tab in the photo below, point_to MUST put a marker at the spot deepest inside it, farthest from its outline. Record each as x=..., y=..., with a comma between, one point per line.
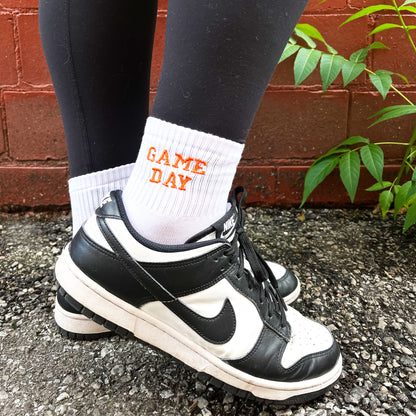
x=109, y=206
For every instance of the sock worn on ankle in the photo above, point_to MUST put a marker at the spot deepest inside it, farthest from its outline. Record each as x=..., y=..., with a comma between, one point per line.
x=180, y=182
x=87, y=191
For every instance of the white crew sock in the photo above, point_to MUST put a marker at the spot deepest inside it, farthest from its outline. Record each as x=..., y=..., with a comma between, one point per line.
x=180, y=182
x=87, y=191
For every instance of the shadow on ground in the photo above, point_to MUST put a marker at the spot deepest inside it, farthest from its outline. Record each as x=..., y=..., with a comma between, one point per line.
x=358, y=276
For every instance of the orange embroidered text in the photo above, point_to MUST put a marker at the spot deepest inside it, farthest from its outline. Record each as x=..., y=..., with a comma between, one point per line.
x=172, y=178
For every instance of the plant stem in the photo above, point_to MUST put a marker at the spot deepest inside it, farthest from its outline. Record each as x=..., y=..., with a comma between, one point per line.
x=406, y=155
x=391, y=86
x=409, y=165
x=404, y=26
x=384, y=143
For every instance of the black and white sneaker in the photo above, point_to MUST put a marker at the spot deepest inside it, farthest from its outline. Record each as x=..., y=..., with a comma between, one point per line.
x=74, y=325
x=200, y=303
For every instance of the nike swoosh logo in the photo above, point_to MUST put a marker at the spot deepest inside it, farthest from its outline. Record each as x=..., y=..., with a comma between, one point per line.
x=217, y=330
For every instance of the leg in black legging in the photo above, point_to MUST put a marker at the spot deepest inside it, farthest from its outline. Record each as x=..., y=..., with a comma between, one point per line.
x=219, y=58
x=99, y=54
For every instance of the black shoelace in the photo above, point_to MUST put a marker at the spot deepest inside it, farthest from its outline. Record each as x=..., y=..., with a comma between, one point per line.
x=261, y=277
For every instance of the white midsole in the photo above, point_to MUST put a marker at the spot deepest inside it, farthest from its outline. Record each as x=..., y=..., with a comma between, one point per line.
x=157, y=333
x=76, y=322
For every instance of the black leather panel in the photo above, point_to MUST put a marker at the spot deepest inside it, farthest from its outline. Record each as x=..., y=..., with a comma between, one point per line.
x=103, y=267
x=265, y=360
x=109, y=208
x=218, y=329
x=179, y=278
x=287, y=283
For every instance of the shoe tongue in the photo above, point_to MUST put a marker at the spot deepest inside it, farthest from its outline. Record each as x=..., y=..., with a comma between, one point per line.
x=224, y=228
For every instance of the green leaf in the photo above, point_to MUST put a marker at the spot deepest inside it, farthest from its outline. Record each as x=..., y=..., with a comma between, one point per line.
x=412, y=155
x=384, y=26
x=305, y=37
x=385, y=199
x=410, y=217
x=373, y=159
x=366, y=11
x=379, y=186
x=354, y=140
x=411, y=193
x=402, y=77
x=401, y=197
x=381, y=79
x=317, y=173
x=289, y=51
x=292, y=40
x=393, y=112
x=408, y=2
x=349, y=166
x=361, y=54
x=336, y=150
x=331, y=66
x=408, y=8
x=414, y=176
x=350, y=71
x=314, y=33
x=305, y=62
x=411, y=27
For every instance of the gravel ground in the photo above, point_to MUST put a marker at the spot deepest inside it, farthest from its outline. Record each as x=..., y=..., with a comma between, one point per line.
x=358, y=276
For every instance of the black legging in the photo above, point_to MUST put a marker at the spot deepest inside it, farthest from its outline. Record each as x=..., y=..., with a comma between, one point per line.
x=219, y=58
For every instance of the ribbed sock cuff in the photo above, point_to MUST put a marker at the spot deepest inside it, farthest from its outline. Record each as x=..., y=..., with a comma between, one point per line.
x=180, y=175
x=214, y=158
x=87, y=191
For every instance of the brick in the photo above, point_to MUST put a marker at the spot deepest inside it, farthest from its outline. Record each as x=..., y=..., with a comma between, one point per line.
x=163, y=5
x=345, y=40
x=401, y=56
x=34, y=68
x=158, y=48
x=297, y=124
x=27, y=4
x=330, y=5
x=8, y=67
x=330, y=192
x=35, y=129
x=360, y=4
x=259, y=182
x=365, y=104
x=33, y=186
x=2, y=139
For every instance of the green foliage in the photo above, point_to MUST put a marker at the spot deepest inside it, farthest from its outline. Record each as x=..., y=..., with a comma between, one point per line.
x=373, y=159
x=331, y=66
x=381, y=79
x=305, y=62
x=356, y=151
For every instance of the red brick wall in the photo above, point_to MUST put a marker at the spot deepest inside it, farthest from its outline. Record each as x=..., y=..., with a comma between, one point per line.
x=291, y=129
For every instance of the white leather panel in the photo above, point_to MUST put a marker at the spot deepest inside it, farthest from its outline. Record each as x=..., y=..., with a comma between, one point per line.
x=307, y=338
x=208, y=303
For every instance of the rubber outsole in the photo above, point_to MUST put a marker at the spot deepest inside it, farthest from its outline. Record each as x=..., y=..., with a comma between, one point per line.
x=203, y=377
